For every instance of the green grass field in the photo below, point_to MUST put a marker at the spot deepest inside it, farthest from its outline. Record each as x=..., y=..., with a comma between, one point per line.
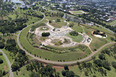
x=97, y=43
x=55, y=23
x=78, y=38
x=77, y=12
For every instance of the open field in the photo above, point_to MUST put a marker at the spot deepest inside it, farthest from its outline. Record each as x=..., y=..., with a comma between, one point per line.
x=97, y=43
x=55, y=23
x=77, y=12
x=78, y=38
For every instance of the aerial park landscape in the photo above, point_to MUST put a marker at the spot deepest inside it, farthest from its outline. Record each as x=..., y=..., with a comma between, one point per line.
x=37, y=40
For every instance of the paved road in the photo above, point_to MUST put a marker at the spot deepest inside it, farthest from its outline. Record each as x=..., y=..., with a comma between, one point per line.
x=55, y=62
x=10, y=69
x=106, y=28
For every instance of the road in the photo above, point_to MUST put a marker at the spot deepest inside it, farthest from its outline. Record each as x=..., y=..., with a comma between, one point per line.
x=9, y=65
x=55, y=62
x=105, y=28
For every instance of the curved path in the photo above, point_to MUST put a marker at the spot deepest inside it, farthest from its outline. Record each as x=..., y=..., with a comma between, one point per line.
x=9, y=65
x=55, y=62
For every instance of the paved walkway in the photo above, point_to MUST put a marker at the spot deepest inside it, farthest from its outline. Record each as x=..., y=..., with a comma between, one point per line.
x=9, y=65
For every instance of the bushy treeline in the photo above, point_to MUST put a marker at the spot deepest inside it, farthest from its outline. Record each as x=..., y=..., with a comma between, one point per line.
x=41, y=70
x=99, y=64
x=20, y=56
x=12, y=26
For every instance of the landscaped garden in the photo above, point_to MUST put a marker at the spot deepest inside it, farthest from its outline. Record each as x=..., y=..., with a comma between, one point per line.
x=33, y=45
x=55, y=53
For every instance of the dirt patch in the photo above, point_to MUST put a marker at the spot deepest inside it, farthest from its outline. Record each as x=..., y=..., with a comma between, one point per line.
x=83, y=53
x=5, y=67
x=2, y=18
x=59, y=68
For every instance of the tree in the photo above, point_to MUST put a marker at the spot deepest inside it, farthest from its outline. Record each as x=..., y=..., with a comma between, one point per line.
x=86, y=73
x=1, y=61
x=64, y=73
x=12, y=42
x=50, y=21
x=58, y=20
x=114, y=64
x=1, y=73
x=15, y=66
x=106, y=65
x=98, y=62
x=70, y=74
x=66, y=67
x=101, y=70
x=1, y=45
x=102, y=56
x=71, y=24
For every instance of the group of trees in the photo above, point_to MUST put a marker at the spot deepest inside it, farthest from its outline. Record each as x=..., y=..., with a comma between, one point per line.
x=9, y=25
x=101, y=64
x=73, y=33
x=98, y=21
x=58, y=20
x=34, y=14
x=45, y=34
x=39, y=69
x=71, y=24
x=5, y=8
x=67, y=73
x=1, y=61
x=21, y=59
x=2, y=73
x=54, y=14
